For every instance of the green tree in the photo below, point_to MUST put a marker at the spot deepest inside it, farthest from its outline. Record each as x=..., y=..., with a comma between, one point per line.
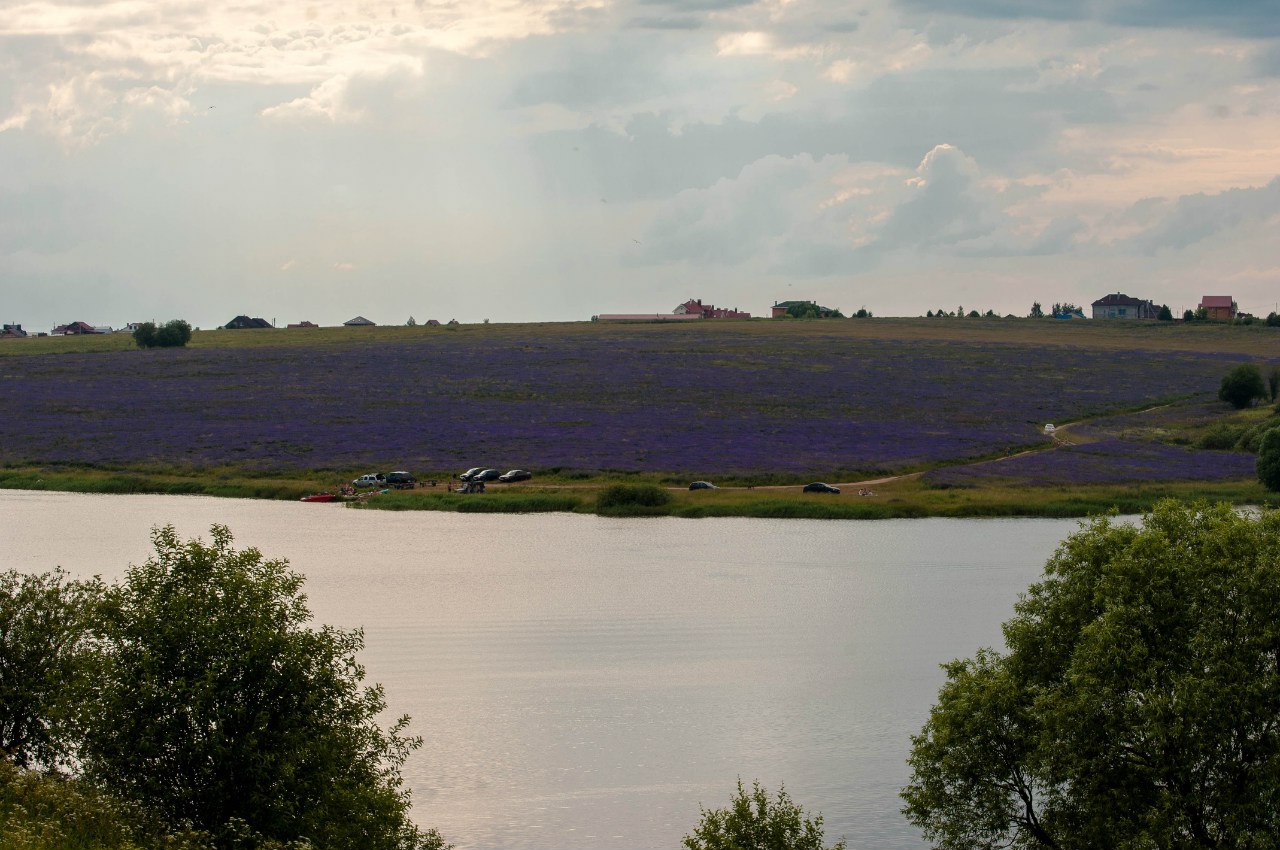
x=175, y=333
x=1268, y=464
x=44, y=664
x=755, y=822
x=1165, y=314
x=172, y=334
x=222, y=707
x=1242, y=385
x=1037, y=312
x=1273, y=320
x=1137, y=706
x=144, y=335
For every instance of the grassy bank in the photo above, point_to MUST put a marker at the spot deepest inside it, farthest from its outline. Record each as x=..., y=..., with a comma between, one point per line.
x=906, y=497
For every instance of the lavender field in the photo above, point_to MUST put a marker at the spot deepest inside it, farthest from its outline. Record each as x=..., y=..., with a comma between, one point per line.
x=674, y=399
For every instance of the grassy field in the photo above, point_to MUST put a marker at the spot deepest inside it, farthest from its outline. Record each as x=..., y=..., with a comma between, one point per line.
x=759, y=406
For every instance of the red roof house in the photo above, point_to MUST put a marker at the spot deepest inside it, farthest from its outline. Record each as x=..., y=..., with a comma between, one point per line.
x=1220, y=307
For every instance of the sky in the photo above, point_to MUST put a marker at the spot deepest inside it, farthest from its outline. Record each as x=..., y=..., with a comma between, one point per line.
x=554, y=159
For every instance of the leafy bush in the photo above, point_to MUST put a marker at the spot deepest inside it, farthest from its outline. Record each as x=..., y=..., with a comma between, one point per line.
x=1223, y=436
x=756, y=822
x=44, y=663
x=633, y=500
x=1269, y=460
x=1242, y=386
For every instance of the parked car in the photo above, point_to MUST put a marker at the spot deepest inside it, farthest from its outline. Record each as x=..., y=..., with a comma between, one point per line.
x=515, y=475
x=401, y=480
x=466, y=476
x=486, y=475
x=372, y=479
x=820, y=487
x=702, y=485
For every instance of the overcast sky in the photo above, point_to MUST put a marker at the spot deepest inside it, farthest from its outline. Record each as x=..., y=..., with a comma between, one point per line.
x=523, y=161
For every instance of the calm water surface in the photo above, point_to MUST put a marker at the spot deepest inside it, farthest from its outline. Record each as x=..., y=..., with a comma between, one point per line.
x=587, y=683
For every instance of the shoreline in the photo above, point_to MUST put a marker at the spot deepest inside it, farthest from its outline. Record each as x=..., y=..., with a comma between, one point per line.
x=888, y=497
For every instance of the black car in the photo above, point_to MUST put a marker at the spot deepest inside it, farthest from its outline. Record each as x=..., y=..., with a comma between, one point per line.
x=485, y=475
x=401, y=480
x=466, y=476
x=515, y=475
x=820, y=487
x=702, y=485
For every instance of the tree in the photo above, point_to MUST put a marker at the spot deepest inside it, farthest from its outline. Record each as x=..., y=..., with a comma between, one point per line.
x=175, y=333
x=1273, y=382
x=1268, y=463
x=221, y=706
x=757, y=823
x=1137, y=706
x=1188, y=316
x=1037, y=312
x=144, y=335
x=1242, y=385
x=44, y=663
x=1165, y=314
x=1273, y=320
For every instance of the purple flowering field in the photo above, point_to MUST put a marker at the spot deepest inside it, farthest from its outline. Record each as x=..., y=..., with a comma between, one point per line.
x=629, y=399
x=1108, y=461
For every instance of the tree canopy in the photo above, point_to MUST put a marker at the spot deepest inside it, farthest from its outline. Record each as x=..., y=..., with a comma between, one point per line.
x=1137, y=705
x=172, y=334
x=1242, y=386
x=224, y=706
x=44, y=662
x=756, y=822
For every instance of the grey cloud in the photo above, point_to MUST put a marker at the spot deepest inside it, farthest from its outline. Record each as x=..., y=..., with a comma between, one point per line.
x=698, y=5
x=1193, y=218
x=991, y=115
x=665, y=23
x=1248, y=18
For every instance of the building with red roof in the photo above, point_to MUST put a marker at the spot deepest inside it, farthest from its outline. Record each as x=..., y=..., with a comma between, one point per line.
x=1218, y=307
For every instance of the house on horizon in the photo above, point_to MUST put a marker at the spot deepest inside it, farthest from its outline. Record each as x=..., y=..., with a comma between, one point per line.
x=12, y=332
x=303, y=324
x=1121, y=306
x=1221, y=308
x=74, y=329
x=246, y=323
x=359, y=322
x=695, y=307
x=434, y=323
x=781, y=308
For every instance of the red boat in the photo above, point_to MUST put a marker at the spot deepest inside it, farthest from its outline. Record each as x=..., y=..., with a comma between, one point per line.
x=321, y=497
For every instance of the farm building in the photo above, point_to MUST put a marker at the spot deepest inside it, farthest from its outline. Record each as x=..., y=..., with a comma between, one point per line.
x=359, y=322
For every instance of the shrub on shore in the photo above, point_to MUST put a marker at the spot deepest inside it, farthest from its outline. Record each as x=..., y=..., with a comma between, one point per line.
x=633, y=500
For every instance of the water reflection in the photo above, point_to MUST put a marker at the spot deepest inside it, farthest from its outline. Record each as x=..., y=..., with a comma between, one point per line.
x=586, y=683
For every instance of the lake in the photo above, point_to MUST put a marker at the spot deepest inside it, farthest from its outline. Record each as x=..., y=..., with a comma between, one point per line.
x=588, y=683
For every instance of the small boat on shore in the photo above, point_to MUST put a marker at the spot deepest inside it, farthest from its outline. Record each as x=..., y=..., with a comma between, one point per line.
x=321, y=497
